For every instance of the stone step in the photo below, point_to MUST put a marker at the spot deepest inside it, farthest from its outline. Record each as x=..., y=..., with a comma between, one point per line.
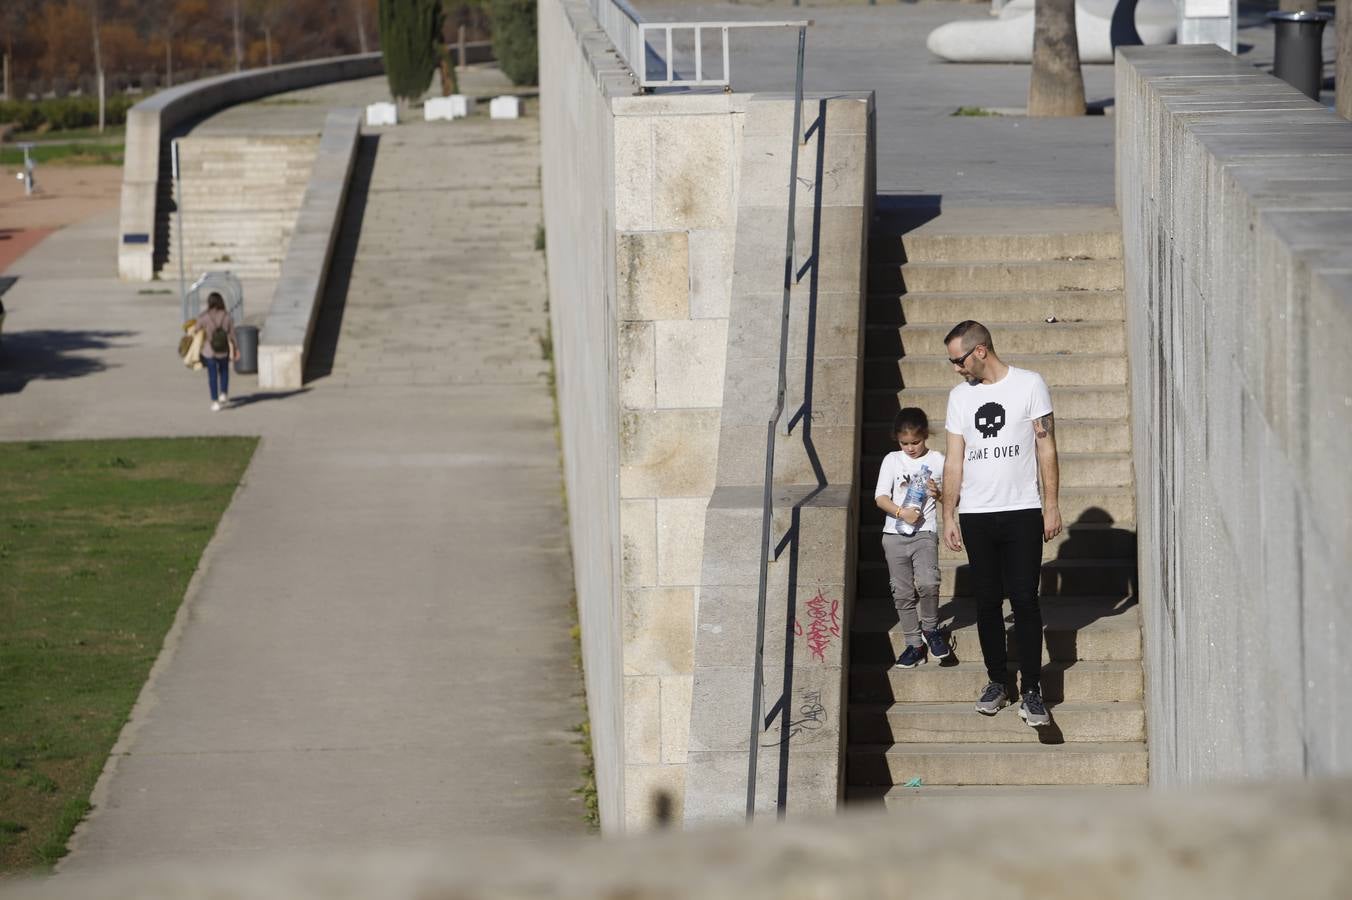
x=1083, y=539
x=1097, y=337
x=1068, y=402
x=963, y=233
x=1074, y=629
x=1101, y=504
x=923, y=723
x=995, y=309
x=1060, y=578
x=994, y=275
x=904, y=799
x=963, y=680
x=1057, y=369
x=1109, y=762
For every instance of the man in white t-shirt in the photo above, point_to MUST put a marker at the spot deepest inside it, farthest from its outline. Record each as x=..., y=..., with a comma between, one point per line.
x=1001, y=444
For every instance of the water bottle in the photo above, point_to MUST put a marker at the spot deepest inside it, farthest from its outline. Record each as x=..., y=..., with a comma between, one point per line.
x=917, y=492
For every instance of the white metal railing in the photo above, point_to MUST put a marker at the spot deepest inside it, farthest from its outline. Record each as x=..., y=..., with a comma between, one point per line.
x=621, y=22
x=673, y=79
x=626, y=29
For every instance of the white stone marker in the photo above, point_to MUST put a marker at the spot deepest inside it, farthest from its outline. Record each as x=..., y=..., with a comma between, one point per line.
x=456, y=106
x=506, y=107
x=382, y=114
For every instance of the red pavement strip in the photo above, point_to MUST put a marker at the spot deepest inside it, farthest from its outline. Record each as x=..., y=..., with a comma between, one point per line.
x=15, y=242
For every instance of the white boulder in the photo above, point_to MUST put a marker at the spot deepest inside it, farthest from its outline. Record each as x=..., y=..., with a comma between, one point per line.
x=1008, y=38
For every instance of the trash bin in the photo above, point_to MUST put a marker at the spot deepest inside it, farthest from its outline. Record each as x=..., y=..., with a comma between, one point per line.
x=1299, y=56
x=246, y=338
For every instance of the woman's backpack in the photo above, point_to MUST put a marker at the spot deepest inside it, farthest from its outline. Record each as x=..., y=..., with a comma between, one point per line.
x=220, y=340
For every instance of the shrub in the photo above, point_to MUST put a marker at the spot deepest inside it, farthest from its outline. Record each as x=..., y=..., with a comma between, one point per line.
x=65, y=112
x=514, y=39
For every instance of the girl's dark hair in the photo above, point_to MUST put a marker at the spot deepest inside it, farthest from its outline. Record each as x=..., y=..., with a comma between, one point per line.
x=216, y=301
x=911, y=418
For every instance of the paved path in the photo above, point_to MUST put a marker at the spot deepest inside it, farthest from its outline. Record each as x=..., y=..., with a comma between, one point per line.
x=375, y=651
x=926, y=155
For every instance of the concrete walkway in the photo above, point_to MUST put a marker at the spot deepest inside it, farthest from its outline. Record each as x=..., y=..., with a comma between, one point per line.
x=375, y=651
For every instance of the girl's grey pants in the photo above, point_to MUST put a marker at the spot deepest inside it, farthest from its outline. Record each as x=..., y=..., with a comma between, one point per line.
x=913, y=564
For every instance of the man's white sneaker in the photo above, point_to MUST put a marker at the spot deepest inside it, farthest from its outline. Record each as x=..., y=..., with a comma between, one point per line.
x=215, y=406
x=224, y=399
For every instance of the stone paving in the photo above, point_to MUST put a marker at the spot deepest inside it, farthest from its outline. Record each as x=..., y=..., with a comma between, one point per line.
x=375, y=651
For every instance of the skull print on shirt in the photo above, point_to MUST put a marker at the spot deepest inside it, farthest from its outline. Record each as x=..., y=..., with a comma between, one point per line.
x=990, y=418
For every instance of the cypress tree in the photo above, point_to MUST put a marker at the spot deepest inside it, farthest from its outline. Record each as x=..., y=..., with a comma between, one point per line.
x=514, y=41
x=410, y=32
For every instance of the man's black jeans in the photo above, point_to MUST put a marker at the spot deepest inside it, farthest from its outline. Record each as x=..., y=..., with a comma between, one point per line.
x=1005, y=550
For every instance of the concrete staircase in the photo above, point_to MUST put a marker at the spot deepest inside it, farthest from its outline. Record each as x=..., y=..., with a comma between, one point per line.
x=240, y=199
x=1011, y=270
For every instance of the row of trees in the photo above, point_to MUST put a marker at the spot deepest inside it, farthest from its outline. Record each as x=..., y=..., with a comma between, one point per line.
x=60, y=46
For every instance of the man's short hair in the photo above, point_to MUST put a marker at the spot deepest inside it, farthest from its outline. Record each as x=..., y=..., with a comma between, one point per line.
x=972, y=333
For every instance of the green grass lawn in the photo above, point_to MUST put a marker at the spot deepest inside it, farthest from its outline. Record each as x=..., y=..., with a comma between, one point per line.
x=77, y=154
x=98, y=540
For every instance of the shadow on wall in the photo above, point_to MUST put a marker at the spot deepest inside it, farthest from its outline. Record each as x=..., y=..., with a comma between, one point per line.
x=324, y=344
x=52, y=355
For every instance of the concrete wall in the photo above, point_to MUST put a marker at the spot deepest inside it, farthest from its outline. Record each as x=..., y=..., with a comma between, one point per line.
x=152, y=122
x=285, y=339
x=676, y=183
x=577, y=152
x=1288, y=840
x=1236, y=199
x=639, y=215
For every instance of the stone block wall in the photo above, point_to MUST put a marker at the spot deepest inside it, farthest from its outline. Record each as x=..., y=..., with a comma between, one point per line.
x=1236, y=198
x=676, y=178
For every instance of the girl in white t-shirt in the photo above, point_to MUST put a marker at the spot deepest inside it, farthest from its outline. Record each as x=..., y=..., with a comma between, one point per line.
x=911, y=536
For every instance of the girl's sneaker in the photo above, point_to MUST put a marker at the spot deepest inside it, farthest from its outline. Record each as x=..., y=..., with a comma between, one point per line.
x=911, y=657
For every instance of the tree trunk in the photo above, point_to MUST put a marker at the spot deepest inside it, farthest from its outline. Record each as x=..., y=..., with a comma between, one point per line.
x=361, y=25
x=168, y=62
x=1056, y=87
x=267, y=42
x=239, y=50
x=6, y=91
x=1342, y=75
x=448, y=85
x=98, y=60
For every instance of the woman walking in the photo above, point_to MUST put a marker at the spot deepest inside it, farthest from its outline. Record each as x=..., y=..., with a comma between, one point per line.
x=218, y=349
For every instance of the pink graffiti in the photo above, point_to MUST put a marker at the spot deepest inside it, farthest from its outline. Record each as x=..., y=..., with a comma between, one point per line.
x=823, y=625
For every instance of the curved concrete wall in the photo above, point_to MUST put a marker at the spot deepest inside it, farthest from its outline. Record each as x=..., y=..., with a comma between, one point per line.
x=1236, y=199
x=152, y=122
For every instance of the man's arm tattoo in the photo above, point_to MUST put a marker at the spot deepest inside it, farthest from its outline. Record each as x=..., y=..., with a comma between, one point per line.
x=1045, y=426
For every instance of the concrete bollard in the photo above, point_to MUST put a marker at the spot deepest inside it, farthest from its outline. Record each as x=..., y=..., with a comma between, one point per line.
x=1299, y=56
x=456, y=106
x=505, y=107
x=382, y=114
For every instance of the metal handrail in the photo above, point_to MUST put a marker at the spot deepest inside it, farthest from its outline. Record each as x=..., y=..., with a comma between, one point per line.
x=767, y=499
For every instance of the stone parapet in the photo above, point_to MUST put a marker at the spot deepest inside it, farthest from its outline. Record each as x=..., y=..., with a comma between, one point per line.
x=154, y=121
x=1237, y=222
x=1244, y=842
x=285, y=336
